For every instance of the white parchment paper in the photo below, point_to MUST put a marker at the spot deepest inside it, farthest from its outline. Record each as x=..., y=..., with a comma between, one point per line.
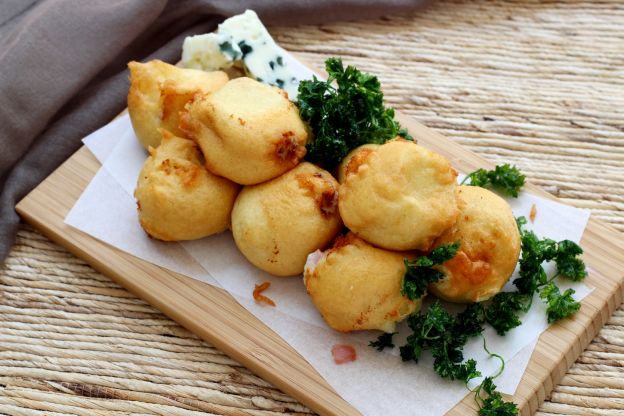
x=376, y=383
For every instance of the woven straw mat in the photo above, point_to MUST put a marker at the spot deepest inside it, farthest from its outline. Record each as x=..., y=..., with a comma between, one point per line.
x=540, y=85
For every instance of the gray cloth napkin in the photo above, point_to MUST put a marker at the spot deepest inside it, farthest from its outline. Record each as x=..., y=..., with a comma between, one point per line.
x=63, y=69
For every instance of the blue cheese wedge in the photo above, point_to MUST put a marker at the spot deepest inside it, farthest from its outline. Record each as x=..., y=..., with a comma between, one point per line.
x=242, y=41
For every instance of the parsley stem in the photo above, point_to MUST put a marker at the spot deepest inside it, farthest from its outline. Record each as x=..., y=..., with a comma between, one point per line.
x=477, y=395
x=550, y=280
x=425, y=334
x=464, y=180
x=492, y=354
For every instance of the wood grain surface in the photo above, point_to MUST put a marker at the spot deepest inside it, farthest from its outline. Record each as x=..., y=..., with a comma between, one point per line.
x=215, y=316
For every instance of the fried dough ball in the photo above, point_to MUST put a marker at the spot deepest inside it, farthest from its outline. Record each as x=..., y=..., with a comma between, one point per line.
x=354, y=159
x=276, y=224
x=355, y=285
x=489, y=248
x=158, y=92
x=399, y=195
x=249, y=132
x=177, y=197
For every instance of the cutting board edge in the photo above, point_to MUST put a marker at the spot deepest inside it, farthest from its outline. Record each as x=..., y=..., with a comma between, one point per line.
x=255, y=361
x=534, y=396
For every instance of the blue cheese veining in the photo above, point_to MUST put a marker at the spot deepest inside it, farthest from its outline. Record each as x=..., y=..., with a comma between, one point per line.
x=242, y=41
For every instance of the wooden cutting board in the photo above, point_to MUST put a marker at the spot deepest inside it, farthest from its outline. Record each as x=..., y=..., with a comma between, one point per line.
x=215, y=316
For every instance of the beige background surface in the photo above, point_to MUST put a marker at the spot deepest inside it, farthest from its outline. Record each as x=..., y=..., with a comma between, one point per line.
x=540, y=85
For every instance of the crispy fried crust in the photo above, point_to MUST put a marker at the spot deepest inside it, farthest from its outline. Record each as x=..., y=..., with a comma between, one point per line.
x=489, y=248
x=177, y=197
x=355, y=285
x=248, y=131
x=356, y=158
x=399, y=195
x=276, y=224
x=159, y=91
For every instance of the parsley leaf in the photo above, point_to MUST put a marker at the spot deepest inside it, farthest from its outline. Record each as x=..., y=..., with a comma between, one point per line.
x=502, y=312
x=568, y=265
x=383, y=341
x=533, y=278
x=448, y=365
x=417, y=278
x=469, y=323
x=505, y=177
x=426, y=330
x=439, y=255
x=493, y=405
x=405, y=134
x=535, y=251
x=445, y=336
x=521, y=222
x=419, y=273
x=559, y=305
x=346, y=116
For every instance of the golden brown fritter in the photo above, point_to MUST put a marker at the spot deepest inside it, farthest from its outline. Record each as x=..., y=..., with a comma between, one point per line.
x=489, y=248
x=355, y=285
x=158, y=92
x=249, y=132
x=276, y=224
x=354, y=159
x=399, y=195
x=177, y=197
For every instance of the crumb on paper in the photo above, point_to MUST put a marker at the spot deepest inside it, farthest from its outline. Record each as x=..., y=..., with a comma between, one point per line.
x=533, y=213
x=259, y=297
x=343, y=353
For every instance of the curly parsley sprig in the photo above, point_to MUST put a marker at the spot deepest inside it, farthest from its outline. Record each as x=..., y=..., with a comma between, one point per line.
x=559, y=305
x=420, y=273
x=344, y=116
x=507, y=178
x=504, y=309
x=491, y=402
x=383, y=341
x=444, y=335
x=502, y=312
